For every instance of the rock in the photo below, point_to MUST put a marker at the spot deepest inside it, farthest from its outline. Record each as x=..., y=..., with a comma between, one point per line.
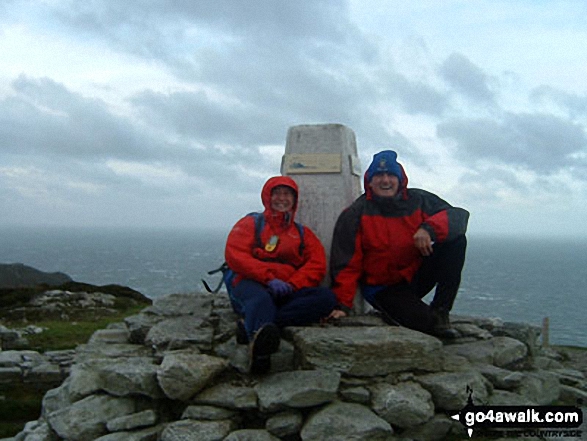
x=180, y=332
x=369, y=351
x=85, y=420
x=250, y=435
x=500, y=351
x=133, y=421
x=229, y=396
x=348, y=421
x=297, y=389
x=190, y=430
x=541, y=387
x=450, y=390
x=184, y=373
x=284, y=424
x=403, y=405
x=435, y=429
x=351, y=380
x=207, y=413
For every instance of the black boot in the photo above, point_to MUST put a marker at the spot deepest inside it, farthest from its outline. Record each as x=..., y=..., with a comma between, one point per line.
x=441, y=327
x=241, y=333
x=265, y=343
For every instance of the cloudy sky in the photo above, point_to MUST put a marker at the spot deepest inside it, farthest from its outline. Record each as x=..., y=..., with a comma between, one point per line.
x=174, y=113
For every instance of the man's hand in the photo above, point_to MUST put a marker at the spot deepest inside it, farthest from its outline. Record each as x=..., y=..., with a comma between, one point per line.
x=423, y=242
x=336, y=314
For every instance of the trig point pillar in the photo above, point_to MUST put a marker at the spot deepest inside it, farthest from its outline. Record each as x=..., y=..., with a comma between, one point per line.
x=323, y=161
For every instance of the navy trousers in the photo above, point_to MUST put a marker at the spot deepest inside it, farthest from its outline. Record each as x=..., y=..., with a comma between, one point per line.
x=402, y=303
x=253, y=301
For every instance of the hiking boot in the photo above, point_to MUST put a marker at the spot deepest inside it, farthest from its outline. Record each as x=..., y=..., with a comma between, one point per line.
x=441, y=326
x=241, y=333
x=265, y=343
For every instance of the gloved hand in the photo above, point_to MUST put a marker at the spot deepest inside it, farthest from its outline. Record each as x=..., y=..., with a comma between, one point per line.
x=279, y=288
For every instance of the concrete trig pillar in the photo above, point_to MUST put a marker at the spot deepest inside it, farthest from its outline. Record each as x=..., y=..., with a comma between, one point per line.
x=323, y=161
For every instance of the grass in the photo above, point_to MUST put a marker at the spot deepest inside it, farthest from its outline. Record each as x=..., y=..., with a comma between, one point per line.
x=60, y=335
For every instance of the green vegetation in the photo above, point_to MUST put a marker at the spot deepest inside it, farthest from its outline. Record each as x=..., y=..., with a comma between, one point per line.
x=60, y=335
x=19, y=403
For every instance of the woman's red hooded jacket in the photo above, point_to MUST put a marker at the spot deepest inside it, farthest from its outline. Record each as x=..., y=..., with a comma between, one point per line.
x=248, y=261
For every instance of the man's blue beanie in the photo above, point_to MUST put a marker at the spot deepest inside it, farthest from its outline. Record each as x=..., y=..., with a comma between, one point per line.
x=384, y=162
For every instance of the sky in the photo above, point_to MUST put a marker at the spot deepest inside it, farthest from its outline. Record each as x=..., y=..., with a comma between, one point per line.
x=172, y=114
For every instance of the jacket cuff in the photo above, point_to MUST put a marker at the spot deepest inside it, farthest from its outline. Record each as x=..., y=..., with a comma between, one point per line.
x=430, y=231
x=343, y=308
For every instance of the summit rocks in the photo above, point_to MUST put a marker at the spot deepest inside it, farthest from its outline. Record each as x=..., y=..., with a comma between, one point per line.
x=175, y=372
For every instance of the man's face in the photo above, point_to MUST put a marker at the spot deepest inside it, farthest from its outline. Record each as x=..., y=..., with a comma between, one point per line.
x=282, y=198
x=384, y=185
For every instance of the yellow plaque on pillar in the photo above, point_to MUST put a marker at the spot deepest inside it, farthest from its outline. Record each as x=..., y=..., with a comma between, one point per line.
x=303, y=163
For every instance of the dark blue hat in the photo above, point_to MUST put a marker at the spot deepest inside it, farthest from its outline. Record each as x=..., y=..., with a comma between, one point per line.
x=384, y=162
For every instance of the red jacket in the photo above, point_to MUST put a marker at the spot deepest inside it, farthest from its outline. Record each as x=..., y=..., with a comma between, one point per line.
x=373, y=240
x=249, y=261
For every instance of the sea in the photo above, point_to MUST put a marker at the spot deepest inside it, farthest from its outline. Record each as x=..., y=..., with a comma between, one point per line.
x=515, y=279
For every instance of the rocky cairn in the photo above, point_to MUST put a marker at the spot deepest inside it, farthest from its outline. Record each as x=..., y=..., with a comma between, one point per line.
x=175, y=372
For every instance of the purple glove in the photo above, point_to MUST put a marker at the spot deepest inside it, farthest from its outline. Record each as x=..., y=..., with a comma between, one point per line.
x=279, y=288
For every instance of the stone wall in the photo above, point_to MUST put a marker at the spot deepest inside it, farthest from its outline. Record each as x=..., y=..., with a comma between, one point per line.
x=175, y=372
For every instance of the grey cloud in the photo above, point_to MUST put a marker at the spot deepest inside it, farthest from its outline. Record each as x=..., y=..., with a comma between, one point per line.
x=416, y=96
x=44, y=117
x=544, y=143
x=464, y=76
x=575, y=105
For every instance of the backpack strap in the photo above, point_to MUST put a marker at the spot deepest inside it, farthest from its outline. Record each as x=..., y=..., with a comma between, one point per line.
x=260, y=224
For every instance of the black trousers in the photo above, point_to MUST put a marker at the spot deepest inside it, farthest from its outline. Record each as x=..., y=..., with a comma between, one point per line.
x=402, y=303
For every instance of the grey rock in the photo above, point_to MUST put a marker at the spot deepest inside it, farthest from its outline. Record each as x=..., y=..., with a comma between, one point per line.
x=110, y=336
x=139, y=326
x=175, y=305
x=370, y=351
x=184, y=373
x=571, y=395
x=229, y=396
x=148, y=434
x=450, y=390
x=524, y=332
x=500, y=351
x=346, y=421
x=541, y=387
x=359, y=395
x=190, y=430
x=506, y=398
x=181, y=332
x=287, y=423
x=85, y=420
x=499, y=377
x=208, y=413
x=403, y=405
x=132, y=421
x=250, y=435
x=131, y=376
x=297, y=389
x=435, y=429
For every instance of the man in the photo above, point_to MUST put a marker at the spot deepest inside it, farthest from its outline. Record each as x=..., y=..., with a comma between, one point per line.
x=397, y=243
x=279, y=266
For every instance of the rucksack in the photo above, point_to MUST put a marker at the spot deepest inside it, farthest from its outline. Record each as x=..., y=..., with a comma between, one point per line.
x=228, y=274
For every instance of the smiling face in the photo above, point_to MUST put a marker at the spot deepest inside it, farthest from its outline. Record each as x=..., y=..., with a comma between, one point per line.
x=283, y=198
x=384, y=185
